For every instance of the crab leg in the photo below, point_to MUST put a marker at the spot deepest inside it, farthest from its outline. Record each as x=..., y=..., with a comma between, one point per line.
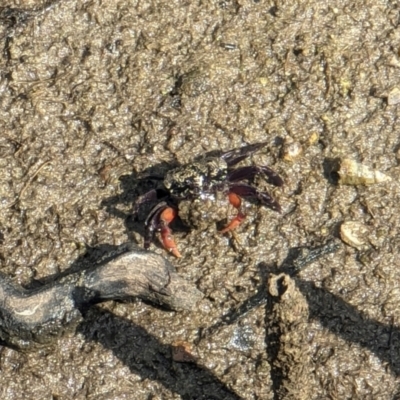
x=247, y=191
x=151, y=223
x=236, y=201
x=157, y=221
x=234, y=156
x=241, y=189
x=151, y=195
x=239, y=174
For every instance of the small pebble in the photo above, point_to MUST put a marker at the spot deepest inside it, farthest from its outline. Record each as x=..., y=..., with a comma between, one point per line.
x=394, y=96
x=354, y=234
x=291, y=151
x=183, y=352
x=314, y=137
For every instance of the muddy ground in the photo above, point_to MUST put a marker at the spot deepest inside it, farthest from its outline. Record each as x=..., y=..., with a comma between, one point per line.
x=95, y=94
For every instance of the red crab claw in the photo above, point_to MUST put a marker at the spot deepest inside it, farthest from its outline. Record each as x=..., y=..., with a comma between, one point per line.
x=236, y=201
x=166, y=217
x=239, y=190
x=158, y=220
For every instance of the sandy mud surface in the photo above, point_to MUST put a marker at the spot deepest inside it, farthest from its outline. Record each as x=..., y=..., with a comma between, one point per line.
x=96, y=94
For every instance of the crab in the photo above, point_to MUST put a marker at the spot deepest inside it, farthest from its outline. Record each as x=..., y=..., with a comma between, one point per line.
x=202, y=179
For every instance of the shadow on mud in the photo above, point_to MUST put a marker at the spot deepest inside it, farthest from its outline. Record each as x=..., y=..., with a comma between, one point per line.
x=137, y=348
x=147, y=357
x=133, y=186
x=150, y=359
x=347, y=322
x=332, y=312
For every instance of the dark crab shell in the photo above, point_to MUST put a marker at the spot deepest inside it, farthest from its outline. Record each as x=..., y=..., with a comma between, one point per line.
x=191, y=180
x=203, y=180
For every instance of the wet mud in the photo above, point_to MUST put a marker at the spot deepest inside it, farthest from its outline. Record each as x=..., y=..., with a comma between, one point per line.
x=95, y=95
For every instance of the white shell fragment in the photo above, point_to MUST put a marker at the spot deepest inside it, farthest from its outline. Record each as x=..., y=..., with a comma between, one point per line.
x=394, y=96
x=353, y=173
x=291, y=151
x=354, y=234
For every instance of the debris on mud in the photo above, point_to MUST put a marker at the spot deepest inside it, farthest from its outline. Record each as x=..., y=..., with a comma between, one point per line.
x=354, y=173
x=183, y=352
x=291, y=151
x=287, y=338
x=354, y=234
x=29, y=319
x=394, y=96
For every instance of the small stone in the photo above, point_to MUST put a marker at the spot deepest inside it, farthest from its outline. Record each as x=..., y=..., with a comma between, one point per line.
x=354, y=234
x=394, y=96
x=394, y=62
x=313, y=139
x=242, y=338
x=291, y=151
x=183, y=352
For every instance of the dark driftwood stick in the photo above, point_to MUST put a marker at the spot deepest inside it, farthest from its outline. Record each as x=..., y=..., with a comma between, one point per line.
x=33, y=317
